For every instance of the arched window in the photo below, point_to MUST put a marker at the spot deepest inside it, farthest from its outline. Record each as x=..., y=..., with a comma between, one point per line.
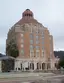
x=32, y=66
x=27, y=15
x=43, y=65
x=21, y=66
x=37, y=65
x=31, y=15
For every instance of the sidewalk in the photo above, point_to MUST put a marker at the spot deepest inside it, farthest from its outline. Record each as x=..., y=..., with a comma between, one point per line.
x=27, y=77
x=21, y=75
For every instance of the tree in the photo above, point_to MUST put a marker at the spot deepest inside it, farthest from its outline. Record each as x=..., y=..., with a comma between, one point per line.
x=12, y=49
x=61, y=63
x=7, y=65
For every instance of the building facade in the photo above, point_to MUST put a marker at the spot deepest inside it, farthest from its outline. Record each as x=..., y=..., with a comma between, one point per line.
x=34, y=42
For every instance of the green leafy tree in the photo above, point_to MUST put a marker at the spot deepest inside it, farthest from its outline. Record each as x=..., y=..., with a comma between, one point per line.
x=7, y=65
x=12, y=49
x=61, y=63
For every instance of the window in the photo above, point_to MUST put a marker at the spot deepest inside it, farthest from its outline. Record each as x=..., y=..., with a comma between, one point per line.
x=31, y=41
x=25, y=14
x=21, y=66
x=40, y=30
x=31, y=47
x=36, y=29
x=43, y=47
x=23, y=28
x=37, y=42
x=22, y=35
x=30, y=29
x=31, y=53
x=42, y=53
x=31, y=36
x=37, y=37
x=37, y=53
x=42, y=42
x=22, y=52
x=22, y=45
x=42, y=33
x=18, y=68
x=37, y=47
x=42, y=36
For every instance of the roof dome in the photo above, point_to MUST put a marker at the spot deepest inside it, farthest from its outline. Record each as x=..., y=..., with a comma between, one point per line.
x=27, y=13
x=27, y=17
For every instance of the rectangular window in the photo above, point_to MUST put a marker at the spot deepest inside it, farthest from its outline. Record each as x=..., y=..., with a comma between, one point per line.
x=43, y=42
x=37, y=37
x=30, y=29
x=31, y=47
x=37, y=30
x=37, y=47
x=31, y=53
x=42, y=53
x=23, y=28
x=31, y=36
x=42, y=35
x=37, y=42
x=22, y=52
x=37, y=53
x=40, y=30
x=31, y=41
x=43, y=47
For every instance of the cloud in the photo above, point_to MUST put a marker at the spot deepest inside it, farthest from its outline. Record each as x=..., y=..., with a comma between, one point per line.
x=49, y=12
x=2, y=44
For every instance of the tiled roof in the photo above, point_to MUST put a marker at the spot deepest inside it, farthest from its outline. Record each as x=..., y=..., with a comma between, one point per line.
x=4, y=57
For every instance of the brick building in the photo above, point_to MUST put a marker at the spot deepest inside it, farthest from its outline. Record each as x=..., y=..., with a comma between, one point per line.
x=34, y=42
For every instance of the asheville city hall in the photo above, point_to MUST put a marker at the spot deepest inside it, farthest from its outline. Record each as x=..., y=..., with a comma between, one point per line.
x=34, y=43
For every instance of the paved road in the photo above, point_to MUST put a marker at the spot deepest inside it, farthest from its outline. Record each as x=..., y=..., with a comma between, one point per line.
x=30, y=78
x=34, y=79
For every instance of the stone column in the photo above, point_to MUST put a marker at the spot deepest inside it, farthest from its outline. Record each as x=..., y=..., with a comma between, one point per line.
x=41, y=66
x=17, y=64
x=35, y=66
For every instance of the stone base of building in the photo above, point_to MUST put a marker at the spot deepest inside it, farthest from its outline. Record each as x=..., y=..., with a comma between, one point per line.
x=33, y=64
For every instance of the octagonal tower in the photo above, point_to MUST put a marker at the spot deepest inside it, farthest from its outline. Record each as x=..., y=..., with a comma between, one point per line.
x=34, y=43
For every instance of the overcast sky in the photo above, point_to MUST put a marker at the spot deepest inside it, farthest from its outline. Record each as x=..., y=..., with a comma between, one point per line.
x=49, y=12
